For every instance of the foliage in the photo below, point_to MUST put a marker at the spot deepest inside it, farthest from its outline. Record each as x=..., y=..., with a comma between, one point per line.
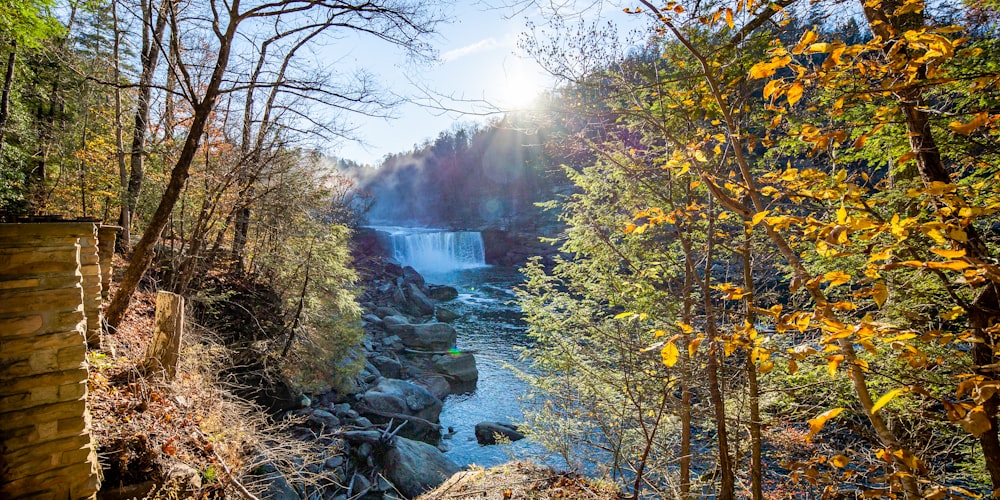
x=784, y=190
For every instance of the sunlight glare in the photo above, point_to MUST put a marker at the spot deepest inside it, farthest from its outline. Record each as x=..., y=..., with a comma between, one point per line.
x=522, y=85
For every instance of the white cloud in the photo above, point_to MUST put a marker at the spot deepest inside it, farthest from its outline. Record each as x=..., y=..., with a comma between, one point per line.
x=480, y=46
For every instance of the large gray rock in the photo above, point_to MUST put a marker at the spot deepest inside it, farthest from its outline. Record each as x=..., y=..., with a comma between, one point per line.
x=416, y=467
x=410, y=275
x=445, y=315
x=442, y=293
x=384, y=311
x=400, y=396
x=397, y=325
x=388, y=367
x=435, y=384
x=487, y=432
x=429, y=337
x=459, y=369
x=418, y=302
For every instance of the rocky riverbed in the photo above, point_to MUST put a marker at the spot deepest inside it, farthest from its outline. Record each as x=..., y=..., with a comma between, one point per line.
x=384, y=433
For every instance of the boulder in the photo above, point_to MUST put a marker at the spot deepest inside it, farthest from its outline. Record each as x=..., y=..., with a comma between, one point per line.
x=384, y=311
x=393, y=269
x=459, y=369
x=388, y=367
x=369, y=374
x=445, y=315
x=429, y=337
x=398, y=297
x=403, y=397
x=372, y=319
x=418, y=302
x=318, y=420
x=442, y=293
x=487, y=432
x=397, y=325
x=410, y=275
x=435, y=384
x=415, y=467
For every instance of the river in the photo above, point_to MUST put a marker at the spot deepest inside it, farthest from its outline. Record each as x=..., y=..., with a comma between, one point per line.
x=490, y=324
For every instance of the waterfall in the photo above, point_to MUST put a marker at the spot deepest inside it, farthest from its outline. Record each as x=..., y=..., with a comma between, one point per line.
x=435, y=251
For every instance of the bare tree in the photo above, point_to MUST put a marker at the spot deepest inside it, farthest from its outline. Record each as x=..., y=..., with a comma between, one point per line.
x=229, y=25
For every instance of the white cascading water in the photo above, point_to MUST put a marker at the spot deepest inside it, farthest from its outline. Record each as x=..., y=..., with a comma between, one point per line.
x=432, y=251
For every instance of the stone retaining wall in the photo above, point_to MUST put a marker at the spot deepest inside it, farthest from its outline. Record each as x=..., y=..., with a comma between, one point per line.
x=50, y=297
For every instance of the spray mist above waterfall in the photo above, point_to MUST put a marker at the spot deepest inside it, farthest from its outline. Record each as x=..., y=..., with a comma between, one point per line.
x=435, y=250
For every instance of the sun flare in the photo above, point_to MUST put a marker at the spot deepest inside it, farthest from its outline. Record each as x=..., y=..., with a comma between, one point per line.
x=521, y=86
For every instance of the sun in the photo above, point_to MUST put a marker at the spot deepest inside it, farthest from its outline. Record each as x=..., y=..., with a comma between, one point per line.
x=521, y=85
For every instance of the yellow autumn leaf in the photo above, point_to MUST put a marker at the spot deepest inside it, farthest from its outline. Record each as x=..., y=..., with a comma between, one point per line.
x=686, y=328
x=765, y=69
x=700, y=156
x=816, y=424
x=953, y=313
x=792, y=367
x=842, y=215
x=759, y=216
x=884, y=400
x=693, y=345
x=969, y=127
x=729, y=18
x=880, y=293
x=949, y=254
x=624, y=314
x=794, y=93
x=836, y=278
x=807, y=38
x=770, y=88
x=659, y=333
x=840, y=461
x=951, y=265
x=818, y=48
x=670, y=354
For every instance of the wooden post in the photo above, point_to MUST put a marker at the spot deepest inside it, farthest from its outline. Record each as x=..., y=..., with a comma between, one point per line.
x=164, y=350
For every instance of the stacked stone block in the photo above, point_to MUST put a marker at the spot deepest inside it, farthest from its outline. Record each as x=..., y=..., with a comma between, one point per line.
x=90, y=268
x=106, y=237
x=47, y=451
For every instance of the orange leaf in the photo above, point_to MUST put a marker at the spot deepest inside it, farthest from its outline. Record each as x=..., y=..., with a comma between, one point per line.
x=949, y=254
x=794, y=93
x=816, y=424
x=970, y=126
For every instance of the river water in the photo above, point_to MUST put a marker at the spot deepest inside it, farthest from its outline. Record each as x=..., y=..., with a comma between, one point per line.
x=490, y=325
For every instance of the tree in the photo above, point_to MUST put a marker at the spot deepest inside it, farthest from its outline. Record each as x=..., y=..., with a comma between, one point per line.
x=401, y=23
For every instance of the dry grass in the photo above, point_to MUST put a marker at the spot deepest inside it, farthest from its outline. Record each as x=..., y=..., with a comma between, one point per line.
x=143, y=425
x=520, y=480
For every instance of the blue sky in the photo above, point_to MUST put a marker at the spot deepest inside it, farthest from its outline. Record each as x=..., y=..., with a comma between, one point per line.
x=478, y=60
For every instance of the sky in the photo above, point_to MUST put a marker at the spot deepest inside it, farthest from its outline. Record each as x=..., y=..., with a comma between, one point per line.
x=478, y=61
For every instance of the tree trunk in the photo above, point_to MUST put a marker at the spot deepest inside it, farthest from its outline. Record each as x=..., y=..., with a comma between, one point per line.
x=142, y=255
x=150, y=60
x=124, y=214
x=8, y=81
x=164, y=350
x=727, y=489
x=756, y=466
